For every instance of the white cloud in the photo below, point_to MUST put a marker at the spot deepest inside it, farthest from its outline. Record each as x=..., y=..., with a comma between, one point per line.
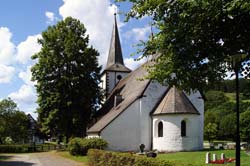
x=26, y=76
x=137, y=34
x=27, y=48
x=98, y=18
x=6, y=73
x=25, y=95
x=7, y=48
x=133, y=64
x=51, y=17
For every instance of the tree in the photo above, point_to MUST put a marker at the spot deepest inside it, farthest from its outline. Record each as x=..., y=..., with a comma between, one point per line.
x=198, y=41
x=227, y=127
x=245, y=125
x=246, y=92
x=211, y=117
x=67, y=75
x=215, y=98
x=13, y=123
x=210, y=131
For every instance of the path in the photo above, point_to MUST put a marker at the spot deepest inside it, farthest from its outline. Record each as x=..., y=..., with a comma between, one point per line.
x=36, y=159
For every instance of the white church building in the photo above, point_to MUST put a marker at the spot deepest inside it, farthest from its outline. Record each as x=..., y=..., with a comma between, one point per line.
x=145, y=112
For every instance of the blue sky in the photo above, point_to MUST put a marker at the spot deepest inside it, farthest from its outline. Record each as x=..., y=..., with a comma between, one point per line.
x=22, y=22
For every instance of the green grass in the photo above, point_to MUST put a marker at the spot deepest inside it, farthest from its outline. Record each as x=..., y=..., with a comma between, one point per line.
x=198, y=158
x=66, y=154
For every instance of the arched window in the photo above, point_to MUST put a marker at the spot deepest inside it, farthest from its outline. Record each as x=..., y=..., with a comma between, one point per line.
x=183, y=128
x=160, y=129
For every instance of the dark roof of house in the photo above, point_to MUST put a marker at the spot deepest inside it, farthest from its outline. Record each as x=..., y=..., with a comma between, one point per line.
x=175, y=102
x=115, y=59
x=130, y=88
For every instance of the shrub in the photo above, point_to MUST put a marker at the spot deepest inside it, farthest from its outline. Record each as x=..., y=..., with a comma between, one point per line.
x=105, y=158
x=14, y=148
x=80, y=146
x=74, y=146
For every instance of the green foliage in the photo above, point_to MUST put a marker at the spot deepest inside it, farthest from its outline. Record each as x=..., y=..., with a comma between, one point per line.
x=80, y=146
x=8, y=141
x=210, y=132
x=74, y=146
x=67, y=75
x=105, y=158
x=197, y=40
x=215, y=98
x=228, y=127
x=13, y=123
x=14, y=148
x=246, y=92
x=220, y=110
x=245, y=125
x=228, y=86
x=24, y=148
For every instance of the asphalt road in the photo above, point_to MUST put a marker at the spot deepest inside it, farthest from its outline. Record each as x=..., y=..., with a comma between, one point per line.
x=36, y=159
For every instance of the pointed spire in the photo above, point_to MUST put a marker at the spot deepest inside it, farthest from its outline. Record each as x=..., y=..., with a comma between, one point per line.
x=115, y=51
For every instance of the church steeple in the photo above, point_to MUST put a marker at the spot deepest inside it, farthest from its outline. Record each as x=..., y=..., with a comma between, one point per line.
x=115, y=59
x=115, y=69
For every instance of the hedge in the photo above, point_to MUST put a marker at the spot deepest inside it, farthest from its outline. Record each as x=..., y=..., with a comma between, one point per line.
x=26, y=148
x=106, y=158
x=80, y=146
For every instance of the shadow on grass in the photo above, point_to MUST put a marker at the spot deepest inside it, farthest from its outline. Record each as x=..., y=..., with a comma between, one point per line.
x=3, y=161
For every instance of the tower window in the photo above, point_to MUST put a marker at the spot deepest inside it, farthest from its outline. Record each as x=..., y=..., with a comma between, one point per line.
x=160, y=129
x=183, y=129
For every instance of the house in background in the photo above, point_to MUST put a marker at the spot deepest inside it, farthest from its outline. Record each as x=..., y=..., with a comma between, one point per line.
x=34, y=134
x=145, y=112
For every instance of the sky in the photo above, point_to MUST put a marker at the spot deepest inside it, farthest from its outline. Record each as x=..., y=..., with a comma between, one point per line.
x=22, y=22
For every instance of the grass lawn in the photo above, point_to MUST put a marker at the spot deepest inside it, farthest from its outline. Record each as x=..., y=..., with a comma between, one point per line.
x=82, y=159
x=198, y=158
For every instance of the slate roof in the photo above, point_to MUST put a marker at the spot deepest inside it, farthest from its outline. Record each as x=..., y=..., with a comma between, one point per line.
x=175, y=102
x=115, y=59
x=130, y=88
x=117, y=67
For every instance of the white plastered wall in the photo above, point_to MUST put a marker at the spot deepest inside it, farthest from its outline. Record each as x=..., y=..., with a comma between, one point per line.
x=122, y=134
x=198, y=102
x=172, y=139
x=133, y=127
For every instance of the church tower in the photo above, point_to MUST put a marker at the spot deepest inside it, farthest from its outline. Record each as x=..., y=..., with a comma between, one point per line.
x=115, y=69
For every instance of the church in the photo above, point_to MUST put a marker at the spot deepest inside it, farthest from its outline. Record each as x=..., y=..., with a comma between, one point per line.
x=145, y=112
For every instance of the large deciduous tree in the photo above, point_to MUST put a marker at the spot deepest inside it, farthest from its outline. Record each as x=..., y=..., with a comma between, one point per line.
x=67, y=75
x=197, y=40
x=13, y=122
